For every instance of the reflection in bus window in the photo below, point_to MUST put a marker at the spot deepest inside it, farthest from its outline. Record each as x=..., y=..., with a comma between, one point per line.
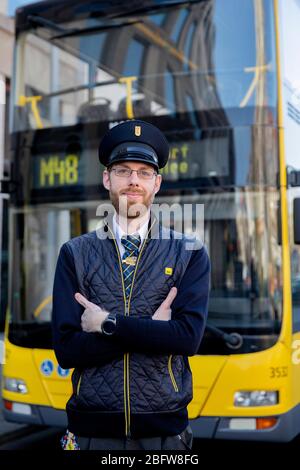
x=196, y=45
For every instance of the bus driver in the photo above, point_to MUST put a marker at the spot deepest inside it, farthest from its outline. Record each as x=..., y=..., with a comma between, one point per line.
x=129, y=306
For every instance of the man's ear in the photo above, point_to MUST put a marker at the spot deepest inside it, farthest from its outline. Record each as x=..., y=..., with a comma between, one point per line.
x=106, y=179
x=158, y=181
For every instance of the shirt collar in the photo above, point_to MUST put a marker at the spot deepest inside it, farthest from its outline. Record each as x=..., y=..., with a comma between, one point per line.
x=119, y=232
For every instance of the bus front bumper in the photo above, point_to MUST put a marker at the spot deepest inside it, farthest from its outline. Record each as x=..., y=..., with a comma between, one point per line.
x=287, y=427
x=40, y=415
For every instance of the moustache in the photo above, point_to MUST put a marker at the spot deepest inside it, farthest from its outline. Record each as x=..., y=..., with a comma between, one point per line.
x=131, y=191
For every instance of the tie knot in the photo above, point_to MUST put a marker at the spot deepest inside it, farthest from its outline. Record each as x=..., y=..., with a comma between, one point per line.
x=131, y=242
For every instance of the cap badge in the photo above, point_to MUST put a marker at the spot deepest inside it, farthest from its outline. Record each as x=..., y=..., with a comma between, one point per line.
x=137, y=130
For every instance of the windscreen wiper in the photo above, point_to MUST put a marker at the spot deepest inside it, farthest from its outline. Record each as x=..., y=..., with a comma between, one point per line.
x=233, y=340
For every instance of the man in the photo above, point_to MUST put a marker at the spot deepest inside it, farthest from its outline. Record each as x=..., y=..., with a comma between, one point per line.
x=129, y=306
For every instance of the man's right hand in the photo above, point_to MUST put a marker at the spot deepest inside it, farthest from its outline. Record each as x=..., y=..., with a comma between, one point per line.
x=164, y=312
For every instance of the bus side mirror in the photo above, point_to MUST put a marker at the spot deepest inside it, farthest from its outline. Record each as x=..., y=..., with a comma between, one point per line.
x=297, y=221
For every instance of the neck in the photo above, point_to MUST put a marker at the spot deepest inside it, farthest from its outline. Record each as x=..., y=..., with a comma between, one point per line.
x=132, y=225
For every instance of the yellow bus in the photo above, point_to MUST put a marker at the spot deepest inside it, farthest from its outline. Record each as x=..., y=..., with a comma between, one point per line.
x=220, y=79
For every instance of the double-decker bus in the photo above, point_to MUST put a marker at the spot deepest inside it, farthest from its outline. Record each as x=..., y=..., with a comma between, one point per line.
x=219, y=78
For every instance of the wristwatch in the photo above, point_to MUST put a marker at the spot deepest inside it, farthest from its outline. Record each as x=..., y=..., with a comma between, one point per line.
x=109, y=325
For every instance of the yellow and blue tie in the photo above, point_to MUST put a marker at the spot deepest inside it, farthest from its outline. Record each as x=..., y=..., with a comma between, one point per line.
x=131, y=244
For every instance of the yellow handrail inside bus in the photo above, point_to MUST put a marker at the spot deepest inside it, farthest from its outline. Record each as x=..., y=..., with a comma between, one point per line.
x=23, y=100
x=258, y=70
x=166, y=44
x=128, y=81
x=43, y=304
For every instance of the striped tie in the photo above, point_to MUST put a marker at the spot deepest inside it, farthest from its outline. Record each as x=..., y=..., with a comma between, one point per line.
x=131, y=244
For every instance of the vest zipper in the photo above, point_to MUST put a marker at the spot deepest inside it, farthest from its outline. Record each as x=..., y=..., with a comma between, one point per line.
x=127, y=307
x=78, y=385
x=171, y=374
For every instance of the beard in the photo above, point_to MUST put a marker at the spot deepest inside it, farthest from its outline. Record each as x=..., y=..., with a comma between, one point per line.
x=128, y=208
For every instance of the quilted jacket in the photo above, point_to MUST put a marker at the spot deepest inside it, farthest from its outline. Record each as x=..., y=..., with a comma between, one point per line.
x=137, y=393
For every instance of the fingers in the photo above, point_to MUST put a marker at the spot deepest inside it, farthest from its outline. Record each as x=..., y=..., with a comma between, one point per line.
x=82, y=300
x=170, y=297
x=164, y=315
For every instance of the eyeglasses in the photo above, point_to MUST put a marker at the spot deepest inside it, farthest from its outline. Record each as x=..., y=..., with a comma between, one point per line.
x=126, y=172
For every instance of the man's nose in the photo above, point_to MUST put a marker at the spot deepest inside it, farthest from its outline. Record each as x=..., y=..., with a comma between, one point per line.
x=133, y=178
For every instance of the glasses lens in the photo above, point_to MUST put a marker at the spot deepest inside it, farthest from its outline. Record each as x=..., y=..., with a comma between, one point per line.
x=122, y=172
x=145, y=174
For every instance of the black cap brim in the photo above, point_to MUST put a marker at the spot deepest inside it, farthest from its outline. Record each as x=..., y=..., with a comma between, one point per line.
x=134, y=158
x=132, y=151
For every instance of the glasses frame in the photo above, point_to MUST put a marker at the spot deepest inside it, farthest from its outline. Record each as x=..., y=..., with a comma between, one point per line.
x=138, y=172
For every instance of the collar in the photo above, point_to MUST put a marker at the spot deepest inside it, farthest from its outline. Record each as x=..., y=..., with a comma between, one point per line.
x=119, y=232
x=110, y=224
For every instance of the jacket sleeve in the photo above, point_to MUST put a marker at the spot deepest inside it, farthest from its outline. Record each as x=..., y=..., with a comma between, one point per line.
x=183, y=333
x=72, y=346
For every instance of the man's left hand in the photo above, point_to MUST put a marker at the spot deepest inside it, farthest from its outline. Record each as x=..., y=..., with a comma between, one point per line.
x=93, y=315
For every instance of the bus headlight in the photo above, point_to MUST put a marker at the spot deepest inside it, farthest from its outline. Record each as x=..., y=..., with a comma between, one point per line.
x=15, y=385
x=256, y=398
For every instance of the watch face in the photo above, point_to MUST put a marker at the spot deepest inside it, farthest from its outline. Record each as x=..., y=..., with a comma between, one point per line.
x=109, y=327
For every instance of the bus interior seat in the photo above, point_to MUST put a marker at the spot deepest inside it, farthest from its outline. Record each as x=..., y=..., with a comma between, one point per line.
x=95, y=111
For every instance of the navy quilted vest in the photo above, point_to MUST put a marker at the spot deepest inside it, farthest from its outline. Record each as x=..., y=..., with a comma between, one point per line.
x=137, y=383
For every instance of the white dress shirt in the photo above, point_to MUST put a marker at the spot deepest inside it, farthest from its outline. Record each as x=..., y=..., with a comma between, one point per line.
x=119, y=232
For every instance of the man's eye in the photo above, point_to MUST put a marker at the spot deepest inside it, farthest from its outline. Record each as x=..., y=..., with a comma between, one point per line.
x=122, y=171
x=146, y=174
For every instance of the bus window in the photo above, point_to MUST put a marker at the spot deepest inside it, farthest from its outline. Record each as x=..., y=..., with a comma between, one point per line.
x=105, y=70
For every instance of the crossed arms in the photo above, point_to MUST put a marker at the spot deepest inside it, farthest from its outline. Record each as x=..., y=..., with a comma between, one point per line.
x=182, y=334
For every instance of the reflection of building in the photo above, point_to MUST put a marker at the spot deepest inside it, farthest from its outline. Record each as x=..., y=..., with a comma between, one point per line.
x=263, y=166
x=171, y=54
x=169, y=57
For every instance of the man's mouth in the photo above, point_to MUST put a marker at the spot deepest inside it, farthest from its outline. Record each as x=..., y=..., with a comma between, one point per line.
x=132, y=194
